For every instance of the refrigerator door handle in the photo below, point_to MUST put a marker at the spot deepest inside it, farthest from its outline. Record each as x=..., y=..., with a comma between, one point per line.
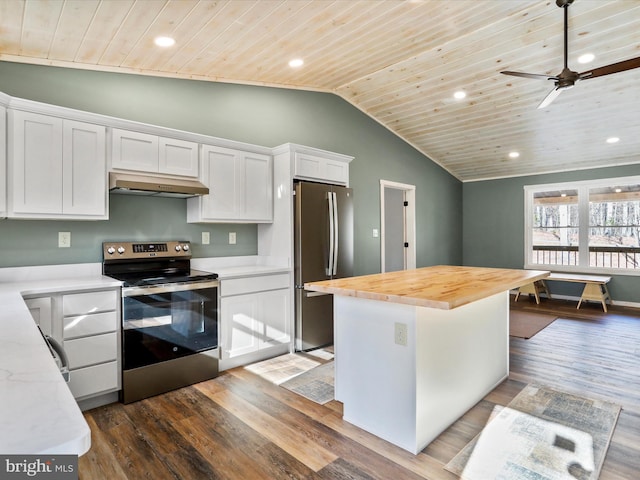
x=335, y=231
x=331, y=233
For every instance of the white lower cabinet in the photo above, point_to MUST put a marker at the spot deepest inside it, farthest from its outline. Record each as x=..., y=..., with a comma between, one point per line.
x=41, y=311
x=87, y=324
x=254, y=314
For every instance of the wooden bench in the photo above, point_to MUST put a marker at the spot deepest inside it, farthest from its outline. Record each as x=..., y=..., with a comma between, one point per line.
x=595, y=287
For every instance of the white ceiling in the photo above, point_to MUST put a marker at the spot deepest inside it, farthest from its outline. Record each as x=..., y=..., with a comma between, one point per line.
x=398, y=61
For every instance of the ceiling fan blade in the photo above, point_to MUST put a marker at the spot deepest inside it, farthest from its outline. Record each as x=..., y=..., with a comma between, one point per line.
x=530, y=75
x=553, y=94
x=613, y=68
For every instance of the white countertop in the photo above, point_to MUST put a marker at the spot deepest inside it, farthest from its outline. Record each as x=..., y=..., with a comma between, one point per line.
x=235, y=267
x=38, y=413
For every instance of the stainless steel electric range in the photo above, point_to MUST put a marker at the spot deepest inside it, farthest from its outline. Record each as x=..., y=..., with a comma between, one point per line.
x=169, y=317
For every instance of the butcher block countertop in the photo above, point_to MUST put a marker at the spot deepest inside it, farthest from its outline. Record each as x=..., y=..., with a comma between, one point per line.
x=444, y=287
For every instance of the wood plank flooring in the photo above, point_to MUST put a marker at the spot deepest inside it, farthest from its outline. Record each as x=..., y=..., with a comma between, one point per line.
x=240, y=426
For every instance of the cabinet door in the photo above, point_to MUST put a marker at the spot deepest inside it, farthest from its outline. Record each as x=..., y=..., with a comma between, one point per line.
x=41, y=311
x=239, y=325
x=178, y=157
x=84, y=169
x=220, y=174
x=3, y=162
x=274, y=318
x=319, y=168
x=134, y=151
x=35, y=164
x=257, y=187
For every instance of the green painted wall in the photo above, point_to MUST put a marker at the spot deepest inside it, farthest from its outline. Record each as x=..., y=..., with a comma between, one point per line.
x=493, y=225
x=259, y=115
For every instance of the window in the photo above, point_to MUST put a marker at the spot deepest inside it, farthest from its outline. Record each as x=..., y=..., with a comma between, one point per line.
x=584, y=226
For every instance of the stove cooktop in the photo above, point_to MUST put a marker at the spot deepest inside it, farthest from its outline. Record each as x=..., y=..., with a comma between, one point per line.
x=160, y=278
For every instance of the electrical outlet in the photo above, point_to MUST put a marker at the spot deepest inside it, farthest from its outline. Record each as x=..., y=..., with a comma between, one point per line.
x=64, y=239
x=375, y=233
x=232, y=238
x=400, y=333
x=206, y=238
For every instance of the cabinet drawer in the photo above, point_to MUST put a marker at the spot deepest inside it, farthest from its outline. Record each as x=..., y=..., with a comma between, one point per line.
x=91, y=350
x=238, y=286
x=96, y=379
x=81, y=303
x=84, y=325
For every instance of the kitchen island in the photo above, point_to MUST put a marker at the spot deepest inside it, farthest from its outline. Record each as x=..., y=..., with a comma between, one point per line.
x=415, y=349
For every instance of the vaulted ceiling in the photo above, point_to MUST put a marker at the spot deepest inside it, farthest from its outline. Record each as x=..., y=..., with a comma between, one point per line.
x=400, y=62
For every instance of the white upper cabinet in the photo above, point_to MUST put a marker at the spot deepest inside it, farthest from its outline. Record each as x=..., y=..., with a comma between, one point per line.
x=84, y=169
x=143, y=152
x=3, y=162
x=177, y=157
x=240, y=185
x=321, y=168
x=56, y=168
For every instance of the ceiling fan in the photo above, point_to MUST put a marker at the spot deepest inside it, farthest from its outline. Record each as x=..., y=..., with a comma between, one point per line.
x=567, y=78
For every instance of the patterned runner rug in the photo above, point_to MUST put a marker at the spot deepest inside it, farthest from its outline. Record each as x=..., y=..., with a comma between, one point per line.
x=541, y=434
x=316, y=384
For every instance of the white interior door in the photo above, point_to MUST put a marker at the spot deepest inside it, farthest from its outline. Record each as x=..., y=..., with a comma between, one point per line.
x=397, y=226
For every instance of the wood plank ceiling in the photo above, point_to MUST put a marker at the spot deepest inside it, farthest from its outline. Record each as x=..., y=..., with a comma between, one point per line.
x=398, y=61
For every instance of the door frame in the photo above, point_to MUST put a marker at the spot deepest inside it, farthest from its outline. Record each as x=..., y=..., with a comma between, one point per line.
x=409, y=192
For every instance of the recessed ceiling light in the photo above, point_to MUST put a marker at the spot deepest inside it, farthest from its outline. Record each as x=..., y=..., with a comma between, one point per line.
x=613, y=140
x=459, y=94
x=296, y=62
x=164, y=41
x=586, y=58
x=514, y=154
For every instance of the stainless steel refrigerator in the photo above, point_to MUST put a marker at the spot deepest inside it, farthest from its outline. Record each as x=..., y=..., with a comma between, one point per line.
x=323, y=244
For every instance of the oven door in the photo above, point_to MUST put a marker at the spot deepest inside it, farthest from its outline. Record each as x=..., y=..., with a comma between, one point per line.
x=165, y=322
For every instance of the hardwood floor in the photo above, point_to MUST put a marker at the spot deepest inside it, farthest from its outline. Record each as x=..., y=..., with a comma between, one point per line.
x=240, y=426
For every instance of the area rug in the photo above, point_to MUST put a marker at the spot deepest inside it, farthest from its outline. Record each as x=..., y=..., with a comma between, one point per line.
x=316, y=384
x=527, y=324
x=285, y=367
x=541, y=434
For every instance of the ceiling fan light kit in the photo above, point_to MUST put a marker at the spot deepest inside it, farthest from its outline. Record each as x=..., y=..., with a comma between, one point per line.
x=568, y=78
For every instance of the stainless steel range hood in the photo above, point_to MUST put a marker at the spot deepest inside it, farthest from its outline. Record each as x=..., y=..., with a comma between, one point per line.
x=150, y=185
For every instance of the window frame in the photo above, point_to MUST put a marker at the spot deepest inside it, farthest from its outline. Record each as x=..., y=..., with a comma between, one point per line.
x=582, y=188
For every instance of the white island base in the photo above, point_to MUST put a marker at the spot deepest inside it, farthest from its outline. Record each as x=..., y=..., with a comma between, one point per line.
x=408, y=394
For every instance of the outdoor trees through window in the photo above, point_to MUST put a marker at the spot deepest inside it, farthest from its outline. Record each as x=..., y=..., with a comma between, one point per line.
x=584, y=226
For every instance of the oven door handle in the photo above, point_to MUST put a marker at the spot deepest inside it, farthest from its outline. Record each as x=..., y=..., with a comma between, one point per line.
x=168, y=288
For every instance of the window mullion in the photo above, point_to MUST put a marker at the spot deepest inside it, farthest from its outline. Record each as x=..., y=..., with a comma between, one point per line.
x=583, y=228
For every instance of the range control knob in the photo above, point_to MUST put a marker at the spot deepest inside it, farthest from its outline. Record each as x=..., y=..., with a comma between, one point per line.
x=111, y=250
x=120, y=250
x=185, y=247
x=178, y=248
